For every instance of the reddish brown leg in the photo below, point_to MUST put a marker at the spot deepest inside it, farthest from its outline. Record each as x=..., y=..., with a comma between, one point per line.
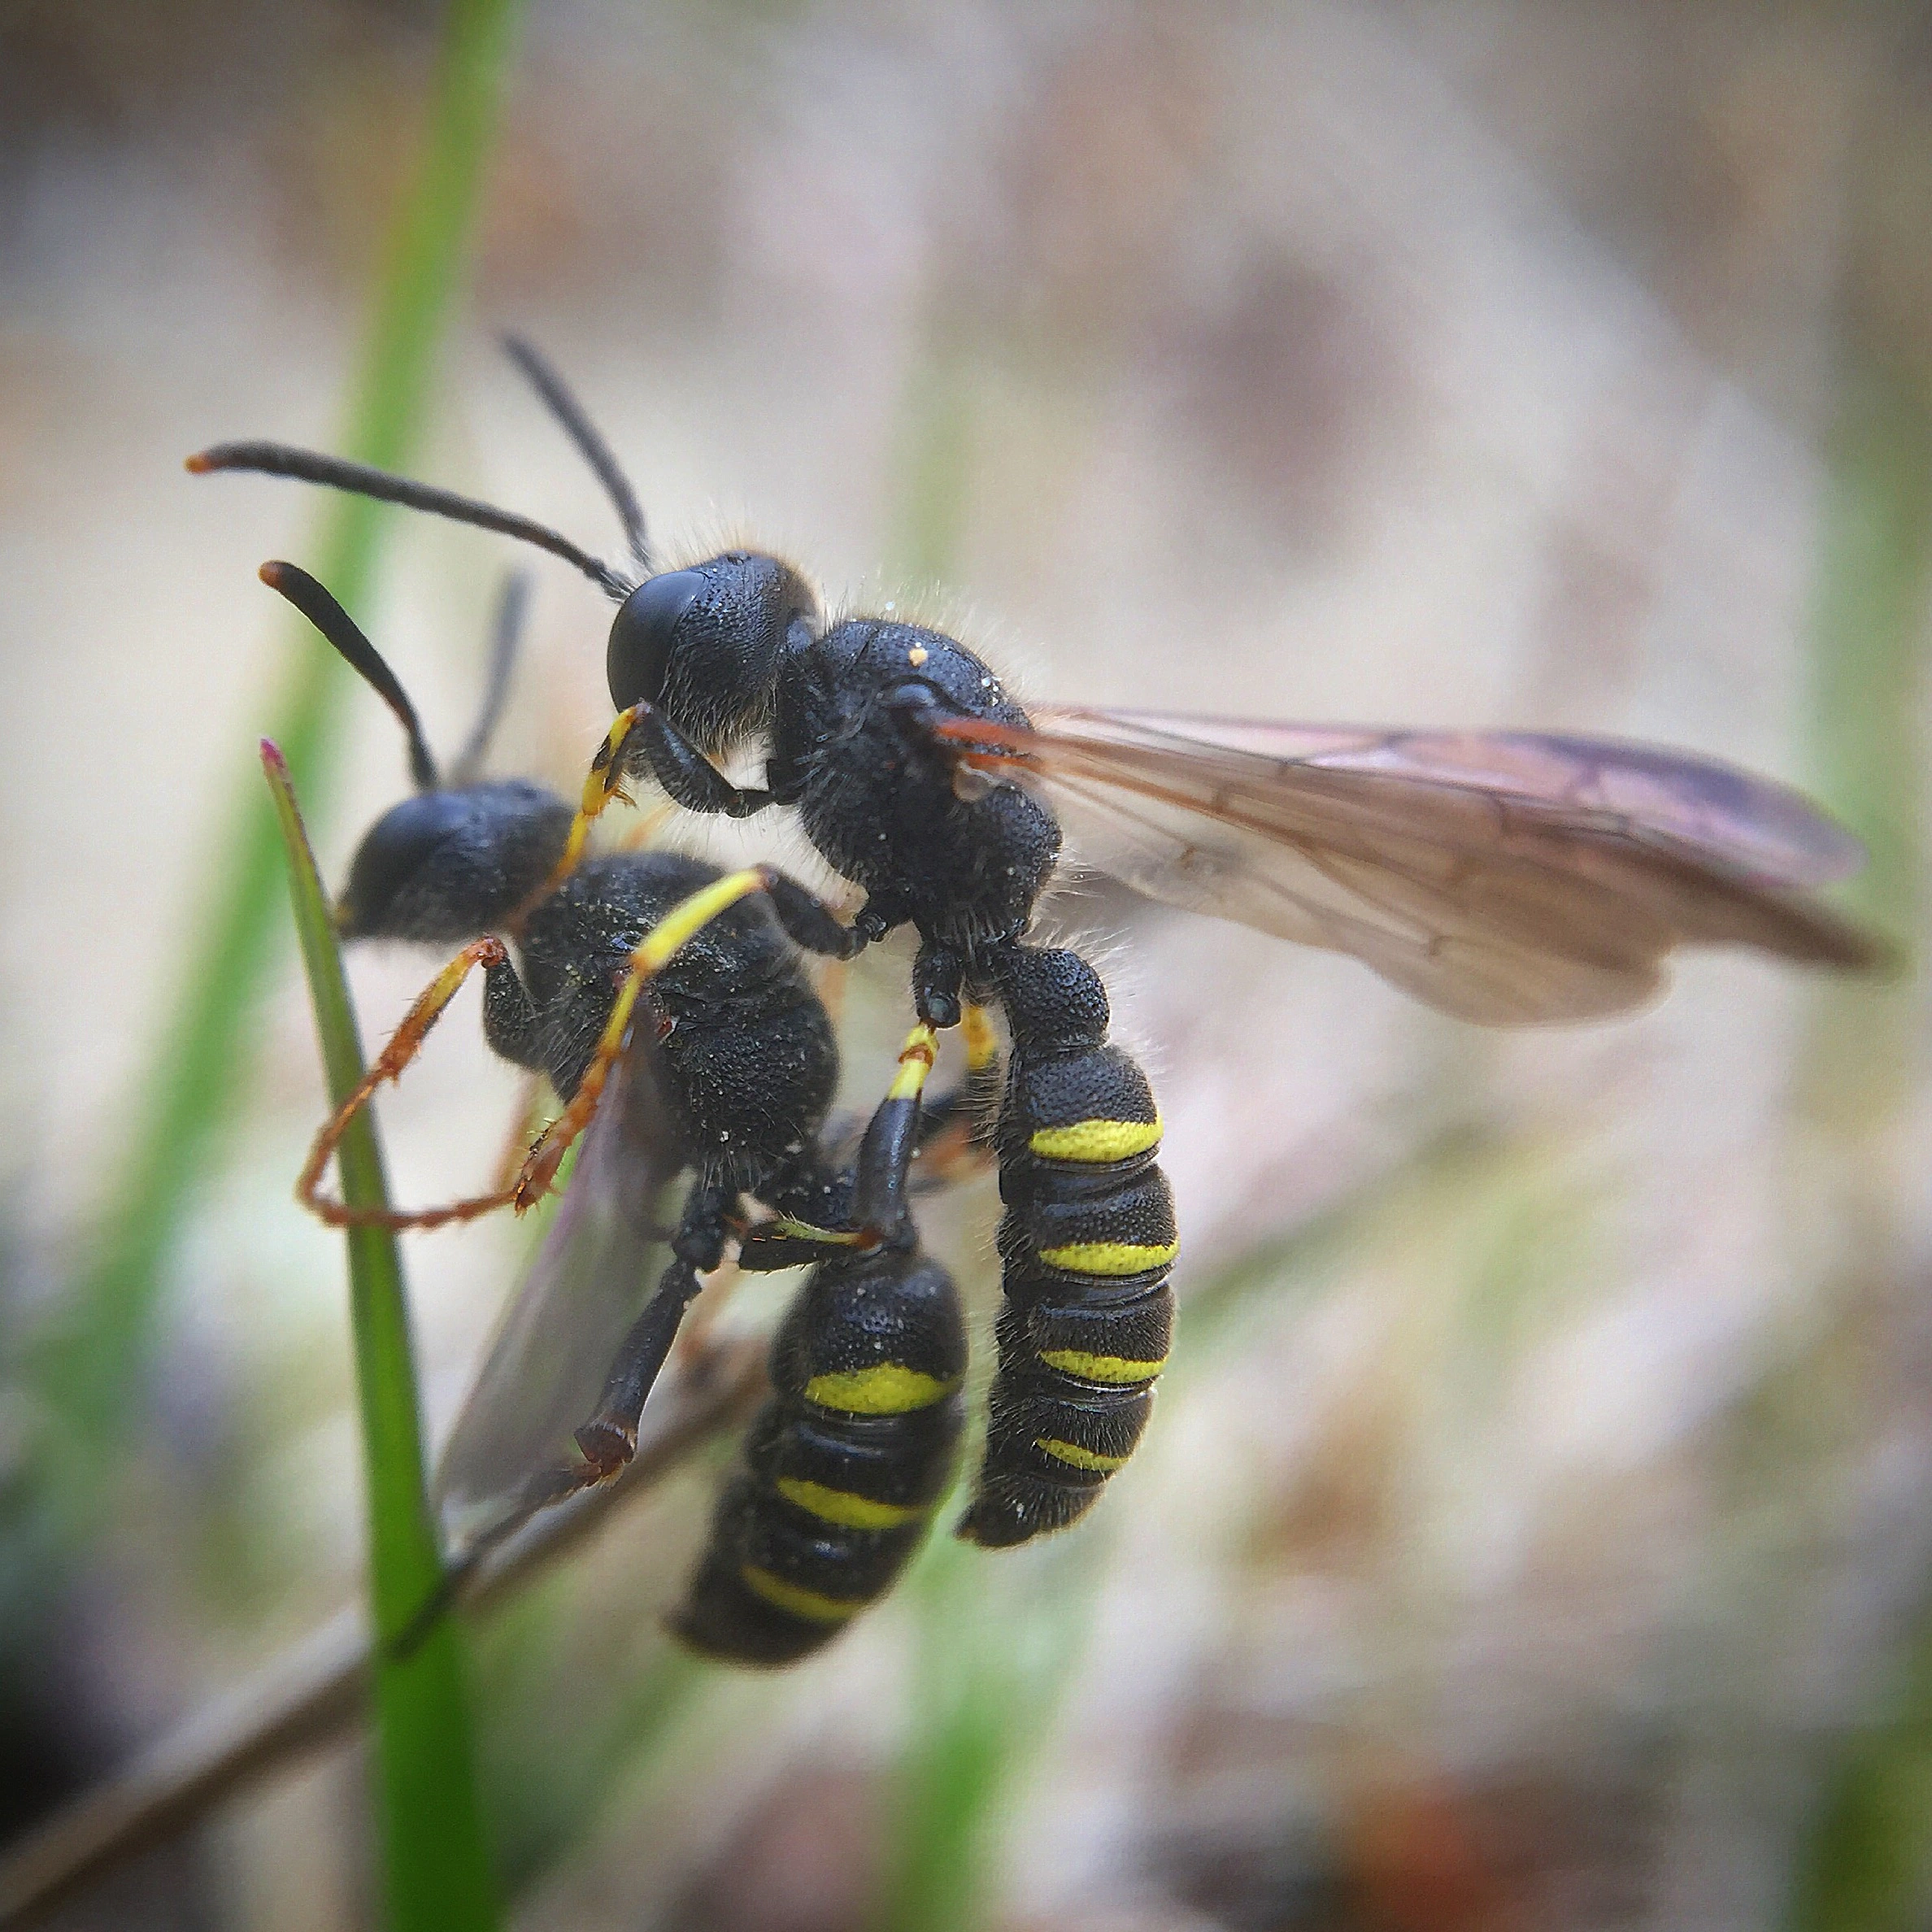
x=404, y=1045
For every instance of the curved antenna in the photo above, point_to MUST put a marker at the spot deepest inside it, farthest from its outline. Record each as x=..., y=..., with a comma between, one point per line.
x=309, y=466
x=591, y=445
x=336, y=624
x=505, y=632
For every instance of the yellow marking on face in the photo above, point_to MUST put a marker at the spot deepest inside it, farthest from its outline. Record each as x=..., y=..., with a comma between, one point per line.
x=1108, y=1257
x=1073, y=1455
x=917, y=655
x=890, y=1389
x=915, y=1062
x=1099, y=1367
x=982, y=1044
x=810, y=1605
x=849, y=1512
x=1097, y=1141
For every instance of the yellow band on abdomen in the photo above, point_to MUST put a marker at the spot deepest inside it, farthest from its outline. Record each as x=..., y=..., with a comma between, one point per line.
x=1073, y=1454
x=800, y=1602
x=890, y=1389
x=843, y=1507
x=1109, y=1257
x=1099, y=1367
x=1096, y=1142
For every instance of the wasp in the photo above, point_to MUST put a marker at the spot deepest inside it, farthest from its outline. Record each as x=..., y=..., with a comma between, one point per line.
x=743, y=1062
x=726, y=1075
x=1503, y=877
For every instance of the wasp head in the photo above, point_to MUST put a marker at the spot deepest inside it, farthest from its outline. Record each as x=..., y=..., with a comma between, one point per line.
x=703, y=645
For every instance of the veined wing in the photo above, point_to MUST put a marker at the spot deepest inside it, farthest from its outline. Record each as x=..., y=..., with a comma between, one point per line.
x=601, y=1256
x=1507, y=877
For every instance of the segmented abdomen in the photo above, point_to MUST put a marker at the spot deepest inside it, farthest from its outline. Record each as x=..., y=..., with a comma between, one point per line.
x=1086, y=1243
x=842, y=1467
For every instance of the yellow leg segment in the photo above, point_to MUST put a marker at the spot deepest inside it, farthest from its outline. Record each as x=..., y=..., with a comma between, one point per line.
x=915, y=1064
x=604, y=782
x=686, y=918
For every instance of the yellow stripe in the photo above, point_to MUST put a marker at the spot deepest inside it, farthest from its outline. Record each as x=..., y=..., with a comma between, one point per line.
x=691, y=915
x=1101, y=1368
x=1079, y=1458
x=916, y=1061
x=825, y=1237
x=890, y=1389
x=1108, y=1257
x=982, y=1044
x=1096, y=1141
x=849, y=1512
x=807, y=1604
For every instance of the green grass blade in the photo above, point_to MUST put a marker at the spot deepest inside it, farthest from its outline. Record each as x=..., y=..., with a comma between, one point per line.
x=437, y=1870
x=1864, y=1856
x=87, y=1373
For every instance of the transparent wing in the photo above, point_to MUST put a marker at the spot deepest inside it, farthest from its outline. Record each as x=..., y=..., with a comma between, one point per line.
x=1505, y=877
x=604, y=1249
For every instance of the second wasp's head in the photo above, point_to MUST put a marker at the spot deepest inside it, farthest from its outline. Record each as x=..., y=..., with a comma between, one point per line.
x=703, y=645
x=464, y=855
x=447, y=865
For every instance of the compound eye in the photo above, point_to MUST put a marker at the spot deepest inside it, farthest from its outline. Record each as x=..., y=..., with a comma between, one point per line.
x=642, y=634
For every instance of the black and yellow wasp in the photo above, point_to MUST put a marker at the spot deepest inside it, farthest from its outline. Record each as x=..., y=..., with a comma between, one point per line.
x=1504, y=877
x=668, y=1004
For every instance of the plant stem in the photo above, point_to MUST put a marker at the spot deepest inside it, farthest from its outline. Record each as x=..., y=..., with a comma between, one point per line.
x=437, y=1868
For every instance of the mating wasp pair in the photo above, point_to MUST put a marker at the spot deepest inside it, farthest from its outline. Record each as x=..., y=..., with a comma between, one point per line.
x=1502, y=877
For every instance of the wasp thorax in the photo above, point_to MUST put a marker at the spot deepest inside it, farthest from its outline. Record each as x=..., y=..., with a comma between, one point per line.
x=702, y=645
x=445, y=866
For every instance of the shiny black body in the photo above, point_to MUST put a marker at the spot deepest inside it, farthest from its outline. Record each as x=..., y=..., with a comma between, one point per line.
x=778, y=1579
x=845, y=1464
x=705, y=659
x=877, y=795
x=452, y=862
x=1086, y=1245
x=849, y=714
x=749, y=1059
x=746, y=1055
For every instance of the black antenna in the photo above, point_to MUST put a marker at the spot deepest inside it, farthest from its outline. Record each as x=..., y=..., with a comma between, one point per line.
x=283, y=459
x=591, y=445
x=336, y=624
x=511, y=603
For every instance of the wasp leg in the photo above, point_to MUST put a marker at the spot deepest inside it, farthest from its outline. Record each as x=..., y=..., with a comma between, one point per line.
x=878, y=1216
x=955, y=1131
x=509, y=1022
x=609, y=1439
x=812, y=924
x=604, y=782
x=689, y=917
x=845, y=1464
x=938, y=974
x=653, y=743
x=404, y=1044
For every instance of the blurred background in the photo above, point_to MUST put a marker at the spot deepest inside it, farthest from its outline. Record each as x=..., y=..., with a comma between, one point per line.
x=1536, y=1530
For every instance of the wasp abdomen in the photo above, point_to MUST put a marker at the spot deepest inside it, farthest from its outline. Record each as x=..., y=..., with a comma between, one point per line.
x=1086, y=1245
x=843, y=1466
